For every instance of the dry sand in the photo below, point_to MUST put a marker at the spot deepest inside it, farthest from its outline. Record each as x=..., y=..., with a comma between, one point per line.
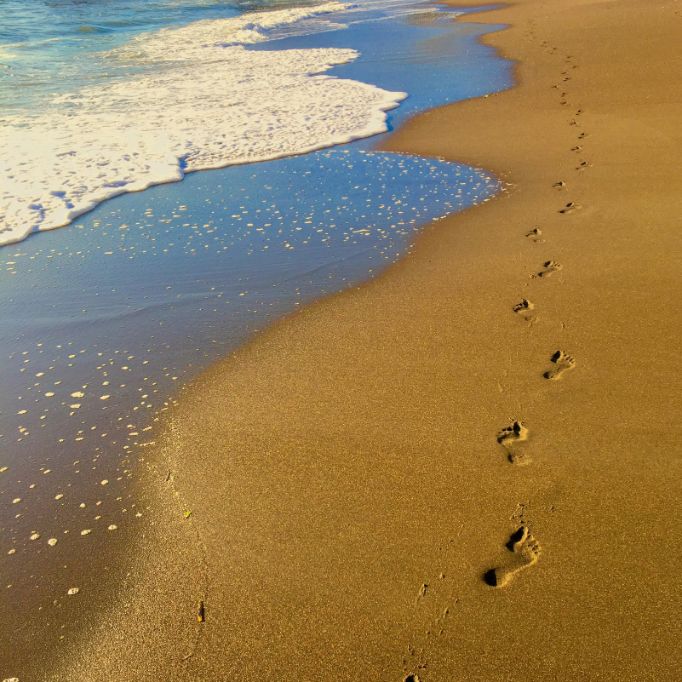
x=352, y=486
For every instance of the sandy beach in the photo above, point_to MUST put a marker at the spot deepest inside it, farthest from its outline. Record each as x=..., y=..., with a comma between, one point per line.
x=469, y=468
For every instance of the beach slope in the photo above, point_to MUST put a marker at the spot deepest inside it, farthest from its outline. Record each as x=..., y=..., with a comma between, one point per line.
x=468, y=469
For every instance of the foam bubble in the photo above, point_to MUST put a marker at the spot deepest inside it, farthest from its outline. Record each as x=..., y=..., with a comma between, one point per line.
x=202, y=100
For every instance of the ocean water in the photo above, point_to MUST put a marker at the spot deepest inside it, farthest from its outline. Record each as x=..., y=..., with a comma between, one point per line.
x=104, y=319
x=47, y=46
x=52, y=46
x=181, y=98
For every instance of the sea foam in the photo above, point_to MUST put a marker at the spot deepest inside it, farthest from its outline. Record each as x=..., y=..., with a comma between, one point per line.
x=200, y=99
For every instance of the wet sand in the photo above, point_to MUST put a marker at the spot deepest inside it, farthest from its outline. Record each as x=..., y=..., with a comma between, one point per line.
x=468, y=468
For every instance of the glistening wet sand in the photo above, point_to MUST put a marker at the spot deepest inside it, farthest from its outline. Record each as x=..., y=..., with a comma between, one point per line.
x=349, y=489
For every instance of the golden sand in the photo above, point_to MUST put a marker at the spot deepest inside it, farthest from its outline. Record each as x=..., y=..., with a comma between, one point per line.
x=354, y=508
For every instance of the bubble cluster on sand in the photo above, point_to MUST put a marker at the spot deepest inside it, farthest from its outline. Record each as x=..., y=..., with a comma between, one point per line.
x=201, y=100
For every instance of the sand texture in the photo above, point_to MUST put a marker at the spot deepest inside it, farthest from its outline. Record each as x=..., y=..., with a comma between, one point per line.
x=468, y=469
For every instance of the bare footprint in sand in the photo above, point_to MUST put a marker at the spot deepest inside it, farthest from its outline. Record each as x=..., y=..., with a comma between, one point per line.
x=523, y=308
x=509, y=438
x=527, y=551
x=549, y=268
x=570, y=207
x=535, y=235
x=559, y=185
x=562, y=362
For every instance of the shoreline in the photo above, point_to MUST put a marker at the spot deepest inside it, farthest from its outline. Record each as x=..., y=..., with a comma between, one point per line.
x=371, y=417
x=101, y=568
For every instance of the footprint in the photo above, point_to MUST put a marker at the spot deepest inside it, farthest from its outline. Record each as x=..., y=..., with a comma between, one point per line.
x=523, y=306
x=582, y=136
x=563, y=363
x=550, y=267
x=527, y=551
x=534, y=235
x=577, y=148
x=583, y=165
x=570, y=207
x=508, y=437
x=559, y=184
x=514, y=432
x=412, y=677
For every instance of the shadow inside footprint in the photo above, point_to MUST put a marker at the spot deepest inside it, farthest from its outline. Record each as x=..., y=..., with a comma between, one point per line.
x=550, y=267
x=517, y=538
x=563, y=362
x=535, y=235
x=527, y=552
x=523, y=306
x=490, y=577
x=570, y=207
x=509, y=438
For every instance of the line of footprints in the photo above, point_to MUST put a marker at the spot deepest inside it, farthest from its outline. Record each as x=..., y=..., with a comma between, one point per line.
x=513, y=438
x=523, y=548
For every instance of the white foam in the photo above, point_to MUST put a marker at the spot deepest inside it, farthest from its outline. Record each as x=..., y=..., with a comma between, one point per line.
x=203, y=99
